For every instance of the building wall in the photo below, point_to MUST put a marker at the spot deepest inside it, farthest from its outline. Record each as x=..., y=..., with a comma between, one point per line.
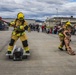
x=49, y=23
x=54, y=21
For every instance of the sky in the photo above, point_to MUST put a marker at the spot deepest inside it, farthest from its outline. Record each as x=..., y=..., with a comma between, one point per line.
x=38, y=9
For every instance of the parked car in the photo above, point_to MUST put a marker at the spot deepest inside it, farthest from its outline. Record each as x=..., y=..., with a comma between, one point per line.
x=4, y=27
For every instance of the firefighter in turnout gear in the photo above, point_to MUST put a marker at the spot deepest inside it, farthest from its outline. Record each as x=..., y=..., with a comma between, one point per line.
x=20, y=25
x=61, y=38
x=67, y=38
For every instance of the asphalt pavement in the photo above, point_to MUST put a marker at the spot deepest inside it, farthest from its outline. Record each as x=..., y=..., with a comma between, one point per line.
x=45, y=58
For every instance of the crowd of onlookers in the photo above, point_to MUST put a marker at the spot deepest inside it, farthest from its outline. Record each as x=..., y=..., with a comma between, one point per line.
x=48, y=29
x=34, y=27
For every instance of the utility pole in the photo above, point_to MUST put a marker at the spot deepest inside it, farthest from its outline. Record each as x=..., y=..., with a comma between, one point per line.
x=57, y=12
x=56, y=15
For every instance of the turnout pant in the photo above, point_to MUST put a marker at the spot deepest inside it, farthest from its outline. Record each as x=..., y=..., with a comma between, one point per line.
x=23, y=39
x=62, y=43
x=67, y=44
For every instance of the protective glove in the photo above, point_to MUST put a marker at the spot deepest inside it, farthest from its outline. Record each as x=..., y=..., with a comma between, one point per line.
x=19, y=28
x=22, y=27
x=26, y=27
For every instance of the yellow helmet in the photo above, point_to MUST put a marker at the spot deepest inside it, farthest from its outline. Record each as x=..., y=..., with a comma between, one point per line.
x=20, y=16
x=68, y=23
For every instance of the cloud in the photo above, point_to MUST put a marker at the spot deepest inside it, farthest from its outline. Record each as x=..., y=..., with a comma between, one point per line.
x=37, y=9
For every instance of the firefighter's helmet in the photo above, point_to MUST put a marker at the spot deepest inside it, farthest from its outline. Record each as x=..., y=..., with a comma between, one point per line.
x=20, y=16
